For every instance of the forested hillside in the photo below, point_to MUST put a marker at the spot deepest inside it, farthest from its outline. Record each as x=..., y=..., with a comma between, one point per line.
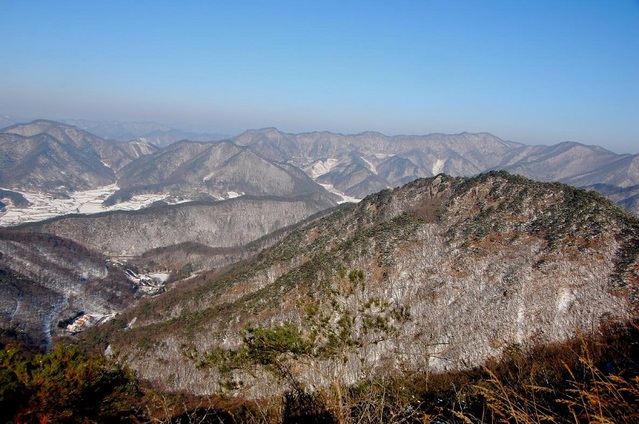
x=441, y=274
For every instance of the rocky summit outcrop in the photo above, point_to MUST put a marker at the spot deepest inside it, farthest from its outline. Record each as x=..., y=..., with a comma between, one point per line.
x=439, y=274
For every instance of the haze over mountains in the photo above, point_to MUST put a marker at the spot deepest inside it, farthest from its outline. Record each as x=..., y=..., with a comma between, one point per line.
x=158, y=134
x=65, y=159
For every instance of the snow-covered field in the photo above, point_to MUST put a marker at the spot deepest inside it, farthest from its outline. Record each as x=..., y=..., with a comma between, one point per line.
x=44, y=206
x=233, y=194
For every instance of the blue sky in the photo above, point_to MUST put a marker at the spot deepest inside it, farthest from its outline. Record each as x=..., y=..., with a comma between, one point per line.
x=536, y=72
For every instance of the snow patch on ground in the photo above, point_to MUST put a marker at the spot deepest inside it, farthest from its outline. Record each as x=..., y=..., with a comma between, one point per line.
x=438, y=166
x=371, y=166
x=322, y=167
x=383, y=155
x=141, y=201
x=233, y=194
x=210, y=176
x=345, y=197
x=160, y=276
x=44, y=206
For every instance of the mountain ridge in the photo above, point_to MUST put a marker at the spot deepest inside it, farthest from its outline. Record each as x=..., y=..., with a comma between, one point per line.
x=463, y=154
x=350, y=166
x=214, y=169
x=476, y=264
x=50, y=149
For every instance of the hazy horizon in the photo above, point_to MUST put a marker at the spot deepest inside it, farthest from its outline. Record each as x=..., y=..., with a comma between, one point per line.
x=530, y=72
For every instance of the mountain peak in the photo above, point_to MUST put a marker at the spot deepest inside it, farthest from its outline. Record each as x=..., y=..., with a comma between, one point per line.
x=36, y=127
x=265, y=130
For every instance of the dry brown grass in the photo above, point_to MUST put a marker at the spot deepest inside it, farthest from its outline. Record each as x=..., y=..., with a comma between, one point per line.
x=601, y=386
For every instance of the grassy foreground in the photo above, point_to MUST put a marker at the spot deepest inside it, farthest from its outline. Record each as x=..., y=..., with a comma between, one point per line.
x=586, y=380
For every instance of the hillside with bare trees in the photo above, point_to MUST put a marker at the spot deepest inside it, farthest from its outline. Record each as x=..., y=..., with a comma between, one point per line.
x=441, y=274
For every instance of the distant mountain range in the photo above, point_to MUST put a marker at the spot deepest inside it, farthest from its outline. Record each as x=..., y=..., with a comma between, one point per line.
x=359, y=164
x=52, y=157
x=58, y=158
x=217, y=170
x=158, y=134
